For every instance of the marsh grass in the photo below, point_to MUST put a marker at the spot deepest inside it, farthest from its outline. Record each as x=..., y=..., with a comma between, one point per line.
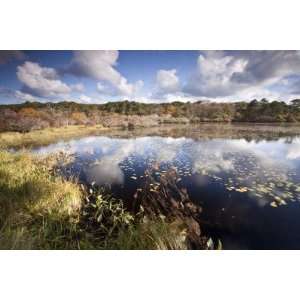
x=34, y=205
x=152, y=234
x=46, y=136
x=115, y=228
x=41, y=210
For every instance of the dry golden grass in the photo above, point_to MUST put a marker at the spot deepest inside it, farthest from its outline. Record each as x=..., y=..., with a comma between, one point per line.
x=46, y=136
x=41, y=211
x=30, y=197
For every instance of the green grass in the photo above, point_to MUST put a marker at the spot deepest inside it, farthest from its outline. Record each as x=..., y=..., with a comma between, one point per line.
x=115, y=228
x=40, y=210
x=46, y=136
x=152, y=234
x=35, y=206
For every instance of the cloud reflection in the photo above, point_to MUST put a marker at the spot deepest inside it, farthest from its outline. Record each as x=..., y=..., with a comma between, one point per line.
x=248, y=164
x=105, y=173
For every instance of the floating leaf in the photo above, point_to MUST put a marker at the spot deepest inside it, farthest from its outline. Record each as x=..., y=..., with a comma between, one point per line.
x=210, y=244
x=220, y=246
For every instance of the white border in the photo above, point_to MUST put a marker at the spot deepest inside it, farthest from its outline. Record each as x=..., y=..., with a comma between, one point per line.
x=148, y=25
x=149, y=275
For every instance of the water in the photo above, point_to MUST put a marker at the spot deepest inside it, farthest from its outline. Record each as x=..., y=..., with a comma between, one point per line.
x=246, y=178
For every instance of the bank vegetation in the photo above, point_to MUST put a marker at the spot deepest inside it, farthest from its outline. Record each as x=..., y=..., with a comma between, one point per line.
x=34, y=115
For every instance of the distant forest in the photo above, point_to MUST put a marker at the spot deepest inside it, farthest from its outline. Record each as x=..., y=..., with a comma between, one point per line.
x=34, y=115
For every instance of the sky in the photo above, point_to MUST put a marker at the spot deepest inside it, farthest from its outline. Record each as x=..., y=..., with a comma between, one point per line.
x=148, y=76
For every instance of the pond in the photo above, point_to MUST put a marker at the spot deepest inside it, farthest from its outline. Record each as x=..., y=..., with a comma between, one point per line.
x=245, y=177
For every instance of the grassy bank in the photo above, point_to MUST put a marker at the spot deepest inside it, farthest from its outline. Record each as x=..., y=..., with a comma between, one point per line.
x=40, y=210
x=46, y=136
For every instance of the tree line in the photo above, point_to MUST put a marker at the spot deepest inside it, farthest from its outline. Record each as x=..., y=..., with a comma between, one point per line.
x=35, y=115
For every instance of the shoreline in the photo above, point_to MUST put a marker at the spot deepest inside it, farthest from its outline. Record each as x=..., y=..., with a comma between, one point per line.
x=42, y=210
x=14, y=139
x=36, y=198
x=26, y=176
x=46, y=136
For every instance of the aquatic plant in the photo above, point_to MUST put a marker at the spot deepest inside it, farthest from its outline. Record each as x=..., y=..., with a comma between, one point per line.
x=41, y=210
x=110, y=226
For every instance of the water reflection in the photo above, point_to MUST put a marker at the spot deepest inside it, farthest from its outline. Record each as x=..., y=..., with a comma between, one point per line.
x=243, y=163
x=246, y=187
x=105, y=172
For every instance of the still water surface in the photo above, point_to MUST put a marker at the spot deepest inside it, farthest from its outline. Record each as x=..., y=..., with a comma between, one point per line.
x=247, y=179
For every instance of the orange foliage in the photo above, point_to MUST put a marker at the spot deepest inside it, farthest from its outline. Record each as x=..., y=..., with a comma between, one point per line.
x=79, y=117
x=29, y=112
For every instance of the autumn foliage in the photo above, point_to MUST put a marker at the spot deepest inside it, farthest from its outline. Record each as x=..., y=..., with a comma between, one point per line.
x=33, y=115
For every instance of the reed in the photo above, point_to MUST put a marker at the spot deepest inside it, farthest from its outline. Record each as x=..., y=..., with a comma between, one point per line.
x=41, y=210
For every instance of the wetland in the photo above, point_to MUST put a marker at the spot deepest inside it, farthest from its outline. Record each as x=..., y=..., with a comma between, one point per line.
x=245, y=178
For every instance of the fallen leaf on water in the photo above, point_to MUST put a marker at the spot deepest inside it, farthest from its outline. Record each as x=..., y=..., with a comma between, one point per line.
x=282, y=202
x=242, y=190
x=210, y=244
x=273, y=204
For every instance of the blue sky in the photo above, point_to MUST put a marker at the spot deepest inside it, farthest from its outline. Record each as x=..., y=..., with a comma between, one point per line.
x=148, y=76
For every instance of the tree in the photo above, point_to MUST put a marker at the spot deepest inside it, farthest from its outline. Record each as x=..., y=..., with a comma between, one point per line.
x=79, y=117
x=296, y=103
x=253, y=102
x=29, y=112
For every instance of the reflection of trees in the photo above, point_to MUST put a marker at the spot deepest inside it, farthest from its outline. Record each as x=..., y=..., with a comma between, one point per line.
x=249, y=132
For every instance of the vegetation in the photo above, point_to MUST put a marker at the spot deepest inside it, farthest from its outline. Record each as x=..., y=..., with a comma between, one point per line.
x=254, y=132
x=45, y=136
x=37, y=209
x=41, y=210
x=33, y=115
x=264, y=111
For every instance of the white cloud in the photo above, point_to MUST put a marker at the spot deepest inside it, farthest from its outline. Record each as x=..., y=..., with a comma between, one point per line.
x=167, y=81
x=293, y=151
x=241, y=73
x=213, y=75
x=220, y=76
x=101, y=66
x=78, y=87
x=101, y=88
x=41, y=81
x=105, y=173
x=85, y=99
x=24, y=96
x=167, y=88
